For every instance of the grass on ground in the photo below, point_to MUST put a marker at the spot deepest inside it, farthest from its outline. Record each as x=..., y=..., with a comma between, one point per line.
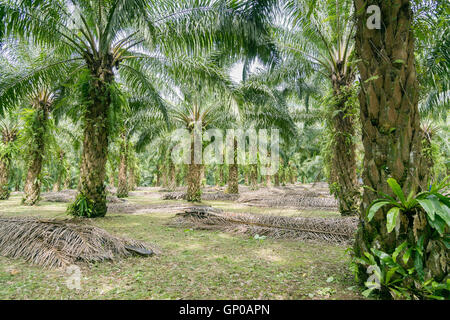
x=194, y=264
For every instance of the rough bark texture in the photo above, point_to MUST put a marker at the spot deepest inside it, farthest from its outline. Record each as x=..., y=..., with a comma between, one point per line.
x=8, y=136
x=233, y=173
x=392, y=136
x=283, y=176
x=61, y=172
x=4, y=177
x=172, y=175
x=67, y=182
x=95, y=142
x=32, y=189
x=158, y=175
x=122, y=186
x=253, y=176
x=194, y=191
x=131, y=179
x=112, y=183
x=221, y=176
x=344, y=183
x=276, y=180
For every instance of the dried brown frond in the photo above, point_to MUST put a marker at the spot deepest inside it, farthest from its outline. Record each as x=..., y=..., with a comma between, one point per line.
x=58, y=243
x=336, y=230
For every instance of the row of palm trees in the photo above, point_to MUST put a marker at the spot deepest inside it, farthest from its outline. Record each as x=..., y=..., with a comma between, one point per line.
x=168, y=56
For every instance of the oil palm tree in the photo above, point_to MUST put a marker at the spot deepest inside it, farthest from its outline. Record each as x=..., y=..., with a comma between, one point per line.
x=9, y=127
x=36, y=134
x=319, y=38
x=392, y=135
x=36, y=104
x=188, y=115
x=103, y=39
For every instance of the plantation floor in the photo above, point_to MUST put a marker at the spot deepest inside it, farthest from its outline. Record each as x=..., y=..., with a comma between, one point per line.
x=194, y=264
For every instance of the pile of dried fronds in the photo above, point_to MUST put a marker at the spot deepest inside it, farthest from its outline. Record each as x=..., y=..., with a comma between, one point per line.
x=337, y=230
x=219, y=196
x=306, y=200
x=174, y=196
x=58, y=243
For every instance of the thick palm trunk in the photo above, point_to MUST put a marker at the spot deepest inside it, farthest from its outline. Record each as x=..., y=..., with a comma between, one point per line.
x=57, y=186
x=131, y=179
x=344, y=183
x=283, y=176
x=164, y=176
x=112, y=183
x=67, y=182
x=131, y=168
x=5, y=163
x=61, y=172
x=32, y=189
x=391, y=129
x=276, y=180
x=221, y=176
x=194, y=191
x=253, y=176
x=172, y=175
x=158, y=175
x=95, y=148
x=233, y=172
x=122, y=186
x=233, y=185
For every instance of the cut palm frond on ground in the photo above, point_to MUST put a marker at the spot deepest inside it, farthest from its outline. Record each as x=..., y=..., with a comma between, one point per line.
x=335, y=230
x=208, y=196
x=59, y=243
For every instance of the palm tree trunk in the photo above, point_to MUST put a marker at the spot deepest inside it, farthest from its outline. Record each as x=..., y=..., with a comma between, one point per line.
x=131, y=179
x=276, y=178
x=32, y=188
x=233, y=173
x=390, y=121
x=283, y=176
x=95, y=147
x=221, y=176
x=67, y=181
x=194, y=191
x=5, y=163
x=32, y=184
x=122, y=186
x=112, y=183
x=172, y=175
x=253, y=176
x=158, y=175
x=343, y=160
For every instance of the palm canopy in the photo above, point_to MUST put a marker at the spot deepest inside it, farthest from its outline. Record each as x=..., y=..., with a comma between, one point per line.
x=431, y=28
x=321, y=40
x=128, y=36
